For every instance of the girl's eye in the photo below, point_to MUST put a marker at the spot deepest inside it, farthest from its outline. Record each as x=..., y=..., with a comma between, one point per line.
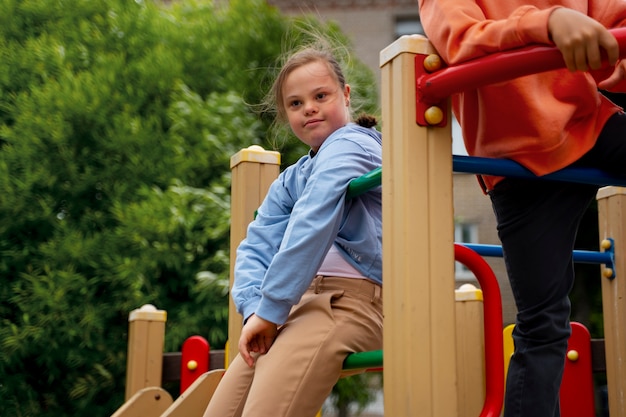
x=321, y=96
x=295, y=103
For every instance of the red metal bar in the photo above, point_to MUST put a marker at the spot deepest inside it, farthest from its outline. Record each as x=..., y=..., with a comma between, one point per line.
x=492, y=312
x=502, y=66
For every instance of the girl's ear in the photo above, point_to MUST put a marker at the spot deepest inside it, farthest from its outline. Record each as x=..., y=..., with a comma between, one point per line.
x=346, y=94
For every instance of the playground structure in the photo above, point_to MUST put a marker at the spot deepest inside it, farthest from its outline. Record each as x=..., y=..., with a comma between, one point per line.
x=420, y=378
x=199, y=369
x=418, y=227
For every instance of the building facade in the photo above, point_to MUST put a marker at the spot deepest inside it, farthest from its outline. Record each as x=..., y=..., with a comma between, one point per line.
x=371, y=24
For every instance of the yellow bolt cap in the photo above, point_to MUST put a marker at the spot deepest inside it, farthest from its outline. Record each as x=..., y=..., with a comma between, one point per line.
x=433, y=115
x=432, y=63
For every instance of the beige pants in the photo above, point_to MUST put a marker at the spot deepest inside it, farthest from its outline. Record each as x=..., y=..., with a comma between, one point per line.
x=335, y=317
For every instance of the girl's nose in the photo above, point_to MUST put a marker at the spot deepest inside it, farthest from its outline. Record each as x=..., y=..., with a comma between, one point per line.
x=310, y=108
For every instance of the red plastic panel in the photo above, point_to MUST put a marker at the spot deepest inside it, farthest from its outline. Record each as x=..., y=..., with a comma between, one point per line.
x=194, y=360
x=577, y=393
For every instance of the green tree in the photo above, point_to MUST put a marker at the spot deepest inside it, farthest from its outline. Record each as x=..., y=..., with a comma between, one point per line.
x=117, y=122
x=355, y=391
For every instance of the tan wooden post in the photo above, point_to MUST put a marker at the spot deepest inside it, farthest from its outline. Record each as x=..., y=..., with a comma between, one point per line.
x=146, y=337
x=612, y=224
x=470, y=350
x=418, y=253
x=253, y=170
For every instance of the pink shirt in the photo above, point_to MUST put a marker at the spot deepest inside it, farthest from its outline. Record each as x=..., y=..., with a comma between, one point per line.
x=544, y=121
x=335, y=265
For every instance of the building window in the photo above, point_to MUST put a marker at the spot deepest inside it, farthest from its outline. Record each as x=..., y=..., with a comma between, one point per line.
x=464, y=233
x=408, y=25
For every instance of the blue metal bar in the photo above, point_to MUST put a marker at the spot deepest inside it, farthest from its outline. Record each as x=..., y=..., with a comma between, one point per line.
x=500, y=167
x=580, y=256
x=509, y=168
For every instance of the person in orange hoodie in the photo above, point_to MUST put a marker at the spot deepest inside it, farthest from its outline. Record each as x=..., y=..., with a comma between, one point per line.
x=545, y=122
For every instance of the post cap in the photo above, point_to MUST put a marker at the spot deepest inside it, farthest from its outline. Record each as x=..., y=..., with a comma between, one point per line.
x=148, y=312
x=468, y=292
x=255, y=153
x=412, y=44
x=610, y=191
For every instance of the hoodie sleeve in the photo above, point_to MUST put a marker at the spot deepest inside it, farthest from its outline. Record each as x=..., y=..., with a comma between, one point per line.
x=256, y=251
x=460, y=30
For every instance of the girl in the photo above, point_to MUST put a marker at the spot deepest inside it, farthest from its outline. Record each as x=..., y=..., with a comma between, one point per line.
x=308, y=275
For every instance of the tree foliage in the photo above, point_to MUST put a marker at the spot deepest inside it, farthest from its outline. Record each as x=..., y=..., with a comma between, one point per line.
x=354, y=393
x=117, y=122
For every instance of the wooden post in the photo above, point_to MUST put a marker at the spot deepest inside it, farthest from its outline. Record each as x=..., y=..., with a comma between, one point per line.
x=146, y=337
x=253, y=170
x=470, y=350
x=612, y=224
x=418, y=253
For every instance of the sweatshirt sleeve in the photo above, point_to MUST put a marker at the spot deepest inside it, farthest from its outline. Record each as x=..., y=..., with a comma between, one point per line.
x=255, y=252
x=611, y=13
x=460, y=31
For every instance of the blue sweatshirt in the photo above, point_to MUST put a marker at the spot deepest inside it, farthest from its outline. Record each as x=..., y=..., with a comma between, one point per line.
x=304, y=213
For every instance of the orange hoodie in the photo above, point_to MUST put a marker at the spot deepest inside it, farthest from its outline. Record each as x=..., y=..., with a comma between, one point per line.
x=544, y=121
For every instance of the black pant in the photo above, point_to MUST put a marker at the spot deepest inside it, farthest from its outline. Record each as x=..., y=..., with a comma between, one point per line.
x=537, y=225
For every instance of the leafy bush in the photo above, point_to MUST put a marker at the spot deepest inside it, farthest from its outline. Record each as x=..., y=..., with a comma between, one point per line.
x=117, y=122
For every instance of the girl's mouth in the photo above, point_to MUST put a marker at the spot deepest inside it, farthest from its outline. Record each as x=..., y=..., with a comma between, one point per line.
x=312, y=122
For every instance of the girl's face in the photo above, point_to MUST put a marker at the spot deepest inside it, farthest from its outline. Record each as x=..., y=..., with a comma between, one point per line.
x=315, y=104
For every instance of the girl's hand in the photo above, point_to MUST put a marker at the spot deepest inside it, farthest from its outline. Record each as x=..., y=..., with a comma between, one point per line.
x=256, y=336
x=580, y=40
x=618, y=75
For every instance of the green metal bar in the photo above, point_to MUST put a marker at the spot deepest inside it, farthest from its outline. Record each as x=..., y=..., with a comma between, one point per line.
x=362, y=360
x=372, y=359
x=364, y=183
